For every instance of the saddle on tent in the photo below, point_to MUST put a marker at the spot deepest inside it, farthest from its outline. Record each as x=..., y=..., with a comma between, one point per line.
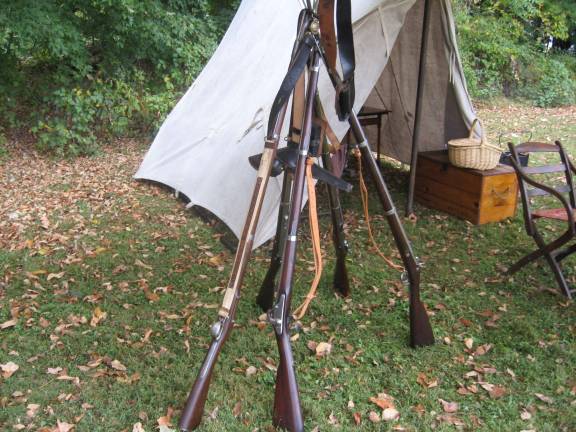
x=532, y=186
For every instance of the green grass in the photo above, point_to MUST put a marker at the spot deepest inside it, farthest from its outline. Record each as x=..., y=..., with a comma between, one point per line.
x=116, y=241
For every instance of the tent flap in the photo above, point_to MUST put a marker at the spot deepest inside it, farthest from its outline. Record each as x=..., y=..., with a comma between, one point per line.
x=202, y=148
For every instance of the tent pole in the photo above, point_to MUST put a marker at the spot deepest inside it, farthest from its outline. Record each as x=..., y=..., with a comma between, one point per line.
x=418, y=110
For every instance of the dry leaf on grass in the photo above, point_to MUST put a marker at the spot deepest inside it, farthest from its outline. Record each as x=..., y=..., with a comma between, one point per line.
x=97, y=316
x=32, y=410
x=321, y=349
x=237, y=410
x=118, y=366
x=138, y=428
x=544, y=398
x=383, y=400
x=64, y=427
x=166, y=419
x=449, y=407
x=8, y=324
x=9, y=369
x=390, y=414
x=426, y=381
x=374, y=417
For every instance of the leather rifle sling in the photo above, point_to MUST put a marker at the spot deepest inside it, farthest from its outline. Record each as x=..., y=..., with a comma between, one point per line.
x=338, y=38
x=298, y=101
x=328, y=31
x=295, y=71
x=345, y=39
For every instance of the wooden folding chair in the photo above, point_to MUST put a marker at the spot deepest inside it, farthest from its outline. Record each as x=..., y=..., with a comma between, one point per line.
x=557, y=250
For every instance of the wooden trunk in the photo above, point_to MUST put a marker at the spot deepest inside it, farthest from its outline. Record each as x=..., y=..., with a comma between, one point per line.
x=477, y=196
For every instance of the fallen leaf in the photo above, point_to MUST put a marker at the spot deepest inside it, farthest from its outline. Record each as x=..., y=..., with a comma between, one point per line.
x=449, y=407
x=374, y=417
x=55, y=276
x=525, y=415
x=333, y=420
x=383, y=400
x=32, y=410
x=118, y=366
x=251, y=370
x=164, y=420
x=323, y=349
x=425, y=381
x=138, y=428
x=8, y=324
x=9, y=369
x=469, y=342
x=54, y=371
x=237, y=410
x=141, y=264
x=544, y=398
x=64, y=427
x=390, y=414
x=97, y=316
x=450, y=419
x=497, y=392
x=357, y=418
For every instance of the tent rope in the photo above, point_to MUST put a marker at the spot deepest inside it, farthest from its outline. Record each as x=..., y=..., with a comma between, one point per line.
x=364, y=196
x=315, y=233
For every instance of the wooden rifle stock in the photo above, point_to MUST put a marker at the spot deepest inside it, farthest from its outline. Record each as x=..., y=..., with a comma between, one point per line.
x=265, y=297
x=421, y=333
x=194, y=408
x=341, y=283
x=287, y=413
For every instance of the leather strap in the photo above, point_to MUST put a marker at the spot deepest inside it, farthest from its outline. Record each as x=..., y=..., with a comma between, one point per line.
x=315, y=233
x=295, y=71
x=339, y=39
x=364, y=196
x=328, y=31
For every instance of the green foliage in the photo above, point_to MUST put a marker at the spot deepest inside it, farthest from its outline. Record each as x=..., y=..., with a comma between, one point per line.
x=503, y=45
x=77, y=70
x=3, y=142
x=549, y=83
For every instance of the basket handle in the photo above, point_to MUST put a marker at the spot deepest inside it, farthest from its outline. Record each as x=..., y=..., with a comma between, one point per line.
x=482, y=136
x=471, y=134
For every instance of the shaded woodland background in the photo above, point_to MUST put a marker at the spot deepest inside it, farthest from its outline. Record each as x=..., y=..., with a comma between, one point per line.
x=76, y=74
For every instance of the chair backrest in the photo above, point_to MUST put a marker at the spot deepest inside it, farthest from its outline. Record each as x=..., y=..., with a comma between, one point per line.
x=530, y=187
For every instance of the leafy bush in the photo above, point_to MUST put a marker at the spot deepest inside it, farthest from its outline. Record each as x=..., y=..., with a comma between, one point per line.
x=76, y=71
x=549, y=82
x=503, y=49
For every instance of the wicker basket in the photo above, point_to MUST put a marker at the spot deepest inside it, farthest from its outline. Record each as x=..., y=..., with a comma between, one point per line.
x=473, y=153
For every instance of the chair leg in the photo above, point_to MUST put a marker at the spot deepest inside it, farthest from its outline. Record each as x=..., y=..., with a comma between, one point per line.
x=554, y=262
x=550, y=253
x=565, y=253
x=559, y=275
x=525, y=260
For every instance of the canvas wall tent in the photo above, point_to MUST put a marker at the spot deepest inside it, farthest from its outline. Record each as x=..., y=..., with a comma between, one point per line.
x=202, y=149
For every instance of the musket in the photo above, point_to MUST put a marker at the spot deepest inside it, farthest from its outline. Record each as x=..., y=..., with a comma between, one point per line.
x=287, y=412
x=265, y=298
x=194, y=407
x=421, y=333
x=341, y=283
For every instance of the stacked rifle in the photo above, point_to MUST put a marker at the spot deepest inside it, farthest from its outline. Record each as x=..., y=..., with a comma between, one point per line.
x=317, y=42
